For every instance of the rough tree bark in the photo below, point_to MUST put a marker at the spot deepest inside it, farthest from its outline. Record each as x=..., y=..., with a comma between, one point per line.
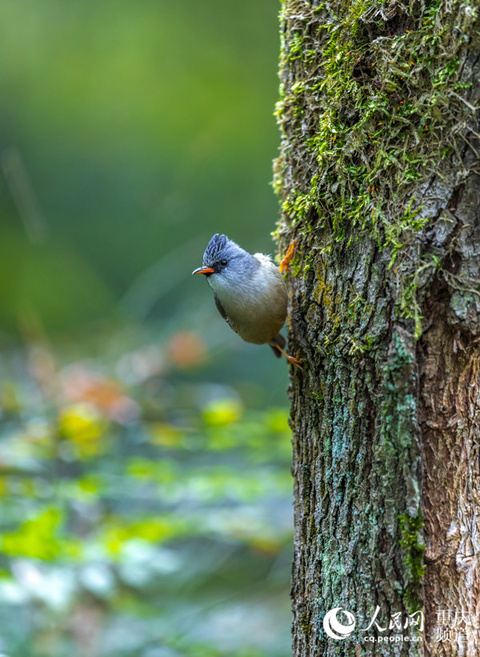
x=379, y=178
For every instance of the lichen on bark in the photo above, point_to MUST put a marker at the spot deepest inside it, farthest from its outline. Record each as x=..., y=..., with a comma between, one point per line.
x=379, y=186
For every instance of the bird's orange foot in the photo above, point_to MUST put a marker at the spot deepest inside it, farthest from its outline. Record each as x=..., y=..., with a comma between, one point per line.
x=285, y=264
x=297, y=361
x=291, y=359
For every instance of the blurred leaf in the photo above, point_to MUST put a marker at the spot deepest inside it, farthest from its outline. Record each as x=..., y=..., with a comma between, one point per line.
x=9, y=400
x=3, y=486
x=38, y=537
x=84, y=426
x=91, y=485
x=222, y=412
x=165, y=434
x=116, y=534
x=164, y=471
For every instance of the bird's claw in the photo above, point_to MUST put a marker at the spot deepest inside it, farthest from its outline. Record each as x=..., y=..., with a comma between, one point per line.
x=295, y=360
x=291, y=359
x=285, y=263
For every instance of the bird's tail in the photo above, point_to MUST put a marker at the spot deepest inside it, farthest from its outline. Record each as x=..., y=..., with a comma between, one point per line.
x=280, y=341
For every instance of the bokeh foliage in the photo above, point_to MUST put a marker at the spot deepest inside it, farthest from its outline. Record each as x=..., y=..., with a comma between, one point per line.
x=134, y=498
x=144, y=450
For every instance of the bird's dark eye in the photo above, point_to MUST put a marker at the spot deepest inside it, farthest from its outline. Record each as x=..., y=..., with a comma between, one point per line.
x=223, y=262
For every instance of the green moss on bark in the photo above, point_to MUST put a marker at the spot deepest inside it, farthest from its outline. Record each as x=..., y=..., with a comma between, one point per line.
x=369, y=91
x=414, y=547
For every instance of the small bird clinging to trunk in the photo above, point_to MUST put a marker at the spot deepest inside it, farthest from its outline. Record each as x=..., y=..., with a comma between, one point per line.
x=249, y=292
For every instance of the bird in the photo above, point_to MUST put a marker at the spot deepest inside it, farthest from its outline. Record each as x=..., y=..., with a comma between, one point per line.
x=249, y=292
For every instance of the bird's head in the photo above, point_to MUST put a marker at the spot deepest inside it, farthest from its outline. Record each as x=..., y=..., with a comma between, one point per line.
x=225, y=258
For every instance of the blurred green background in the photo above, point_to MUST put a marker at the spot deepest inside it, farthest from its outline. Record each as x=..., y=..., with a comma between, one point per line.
x=144, y=448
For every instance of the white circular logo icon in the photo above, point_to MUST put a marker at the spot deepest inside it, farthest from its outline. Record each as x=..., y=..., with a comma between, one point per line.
x=334, y=628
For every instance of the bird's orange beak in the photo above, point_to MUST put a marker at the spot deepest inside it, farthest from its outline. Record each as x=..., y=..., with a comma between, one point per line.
x=204, y=270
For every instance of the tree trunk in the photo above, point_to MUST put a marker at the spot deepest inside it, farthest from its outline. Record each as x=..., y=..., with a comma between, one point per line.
x=379, y=178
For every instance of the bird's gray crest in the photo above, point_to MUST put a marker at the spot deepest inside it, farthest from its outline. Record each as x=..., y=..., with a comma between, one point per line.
x=216, y=245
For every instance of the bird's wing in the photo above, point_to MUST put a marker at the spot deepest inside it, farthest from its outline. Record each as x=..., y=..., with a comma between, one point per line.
x=223, y=313
x=220, y=308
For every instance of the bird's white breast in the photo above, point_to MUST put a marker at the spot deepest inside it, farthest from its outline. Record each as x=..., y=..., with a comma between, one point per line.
x=256, y=303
